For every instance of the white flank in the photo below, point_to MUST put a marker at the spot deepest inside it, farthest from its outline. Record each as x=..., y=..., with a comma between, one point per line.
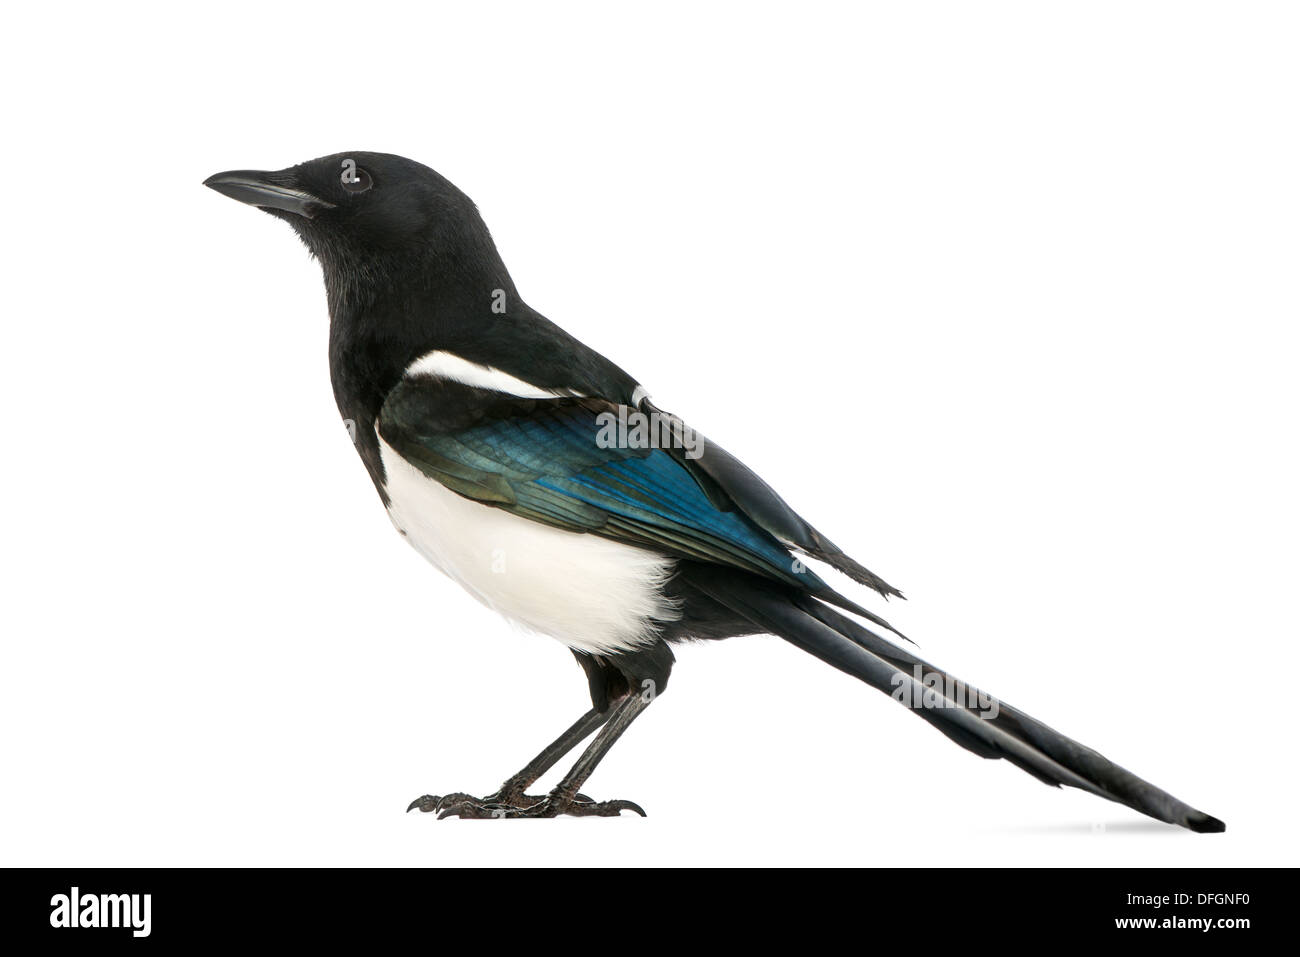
x=591, y=593
x=447, y=365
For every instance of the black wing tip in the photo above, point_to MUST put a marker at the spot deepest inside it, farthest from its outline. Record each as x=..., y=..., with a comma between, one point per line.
x=1205, y=824
x=862, y=575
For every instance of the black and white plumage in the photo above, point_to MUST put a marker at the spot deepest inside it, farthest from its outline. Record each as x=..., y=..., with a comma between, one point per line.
x=480, y=424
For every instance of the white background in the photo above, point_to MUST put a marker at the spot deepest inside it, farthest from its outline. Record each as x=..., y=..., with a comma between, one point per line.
x=1002, y=296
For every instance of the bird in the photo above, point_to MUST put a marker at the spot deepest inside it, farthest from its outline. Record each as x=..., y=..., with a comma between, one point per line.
x=542, y=478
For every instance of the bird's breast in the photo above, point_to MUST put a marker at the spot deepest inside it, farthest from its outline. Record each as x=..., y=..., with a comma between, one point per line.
x=593, y=594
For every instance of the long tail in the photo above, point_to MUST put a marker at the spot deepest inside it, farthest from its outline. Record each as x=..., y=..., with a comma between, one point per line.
x=990, y=728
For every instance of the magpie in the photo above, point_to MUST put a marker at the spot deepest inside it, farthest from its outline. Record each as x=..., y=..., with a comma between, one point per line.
x=542, y=478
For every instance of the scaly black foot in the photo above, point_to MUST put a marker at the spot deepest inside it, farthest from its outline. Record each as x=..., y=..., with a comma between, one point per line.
x=549, y=806
x=501, y=800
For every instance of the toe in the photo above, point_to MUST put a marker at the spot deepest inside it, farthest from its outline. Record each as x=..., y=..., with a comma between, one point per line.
x=457, y=797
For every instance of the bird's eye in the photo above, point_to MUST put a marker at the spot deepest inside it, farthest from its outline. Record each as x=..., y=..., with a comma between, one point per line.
x=356, y=180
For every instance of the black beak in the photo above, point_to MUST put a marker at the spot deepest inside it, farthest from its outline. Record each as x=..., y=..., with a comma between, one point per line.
x=268, y=190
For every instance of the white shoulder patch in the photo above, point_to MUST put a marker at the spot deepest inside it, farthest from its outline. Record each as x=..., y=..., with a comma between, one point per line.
x=441, y=364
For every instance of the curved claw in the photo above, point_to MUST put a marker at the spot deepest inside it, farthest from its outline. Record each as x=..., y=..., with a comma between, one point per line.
x=604, y=808
x=426, y=803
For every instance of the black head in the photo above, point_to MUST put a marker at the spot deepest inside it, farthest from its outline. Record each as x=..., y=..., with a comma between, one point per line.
x=356, y=209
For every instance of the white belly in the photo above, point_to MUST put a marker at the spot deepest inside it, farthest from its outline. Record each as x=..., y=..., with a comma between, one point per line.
x=593, y=594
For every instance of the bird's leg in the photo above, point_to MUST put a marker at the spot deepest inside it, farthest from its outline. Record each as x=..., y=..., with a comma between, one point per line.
x=511, y=793
x=565, y=798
